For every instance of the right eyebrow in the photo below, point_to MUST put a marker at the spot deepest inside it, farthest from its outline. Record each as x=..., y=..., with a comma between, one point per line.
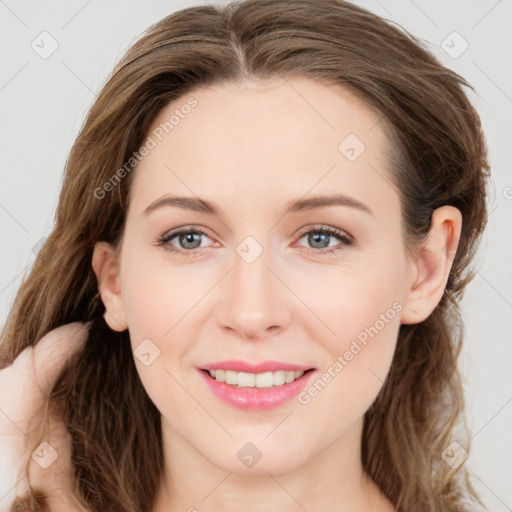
x=188, y=203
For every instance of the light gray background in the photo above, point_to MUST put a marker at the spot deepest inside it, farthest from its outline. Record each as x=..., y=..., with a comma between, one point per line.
x=43, y=103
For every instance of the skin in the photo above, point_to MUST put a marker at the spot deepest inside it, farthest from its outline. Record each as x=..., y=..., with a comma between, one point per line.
x=47, y=466
x=251, y=148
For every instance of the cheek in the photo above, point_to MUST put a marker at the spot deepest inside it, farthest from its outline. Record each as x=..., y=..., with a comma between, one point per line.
x=158, y=303
x=349, y=303
x=158, y=293
x=354, y=373
x=363, y=316
x=151, y=298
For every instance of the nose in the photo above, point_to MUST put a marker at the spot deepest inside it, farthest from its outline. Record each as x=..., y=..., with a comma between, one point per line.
x=255, y=303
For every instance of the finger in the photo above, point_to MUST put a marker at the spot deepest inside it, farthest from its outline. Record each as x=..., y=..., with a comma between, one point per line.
x=13, y=481
x=54, y=350
x=50, y=468
x=25, y=384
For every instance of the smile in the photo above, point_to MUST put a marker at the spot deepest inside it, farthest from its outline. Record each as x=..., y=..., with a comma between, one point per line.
x=257, y=390
x=255, y=380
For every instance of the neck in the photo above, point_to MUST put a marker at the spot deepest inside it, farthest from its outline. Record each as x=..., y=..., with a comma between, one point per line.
x=331, y=480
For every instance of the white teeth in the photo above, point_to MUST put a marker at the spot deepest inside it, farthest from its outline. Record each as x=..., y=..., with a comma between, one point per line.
x=247, y=380
x=289, y=377
x=264, y=380
x=279, y=379
x=231, y=377
x=258, y=380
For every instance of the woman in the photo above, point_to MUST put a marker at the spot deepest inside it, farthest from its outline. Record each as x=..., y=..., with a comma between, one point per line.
x=250, y=297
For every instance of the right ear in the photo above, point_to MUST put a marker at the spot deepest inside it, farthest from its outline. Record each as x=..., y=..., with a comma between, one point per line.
x=106, y=268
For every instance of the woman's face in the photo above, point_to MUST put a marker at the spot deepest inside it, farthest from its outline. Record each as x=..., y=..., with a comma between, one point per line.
x=261, y=281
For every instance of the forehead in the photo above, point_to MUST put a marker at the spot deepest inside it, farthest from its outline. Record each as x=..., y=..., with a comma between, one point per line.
x=259, y=139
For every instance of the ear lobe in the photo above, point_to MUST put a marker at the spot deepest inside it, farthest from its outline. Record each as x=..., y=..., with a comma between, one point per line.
x=106, y=268
x=432, y=265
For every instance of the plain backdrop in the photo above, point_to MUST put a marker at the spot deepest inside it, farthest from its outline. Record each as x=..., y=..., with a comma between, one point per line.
x=44, y=98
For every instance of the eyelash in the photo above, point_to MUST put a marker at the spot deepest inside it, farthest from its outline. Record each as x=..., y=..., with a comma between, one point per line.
x=345, y=240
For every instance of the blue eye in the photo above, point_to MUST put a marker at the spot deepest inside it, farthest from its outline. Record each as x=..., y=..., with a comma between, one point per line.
x=190, y=240
x=321, y=235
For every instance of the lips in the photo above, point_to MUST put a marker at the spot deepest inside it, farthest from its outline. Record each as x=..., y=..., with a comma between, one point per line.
x=265, y=366
x=262, y=387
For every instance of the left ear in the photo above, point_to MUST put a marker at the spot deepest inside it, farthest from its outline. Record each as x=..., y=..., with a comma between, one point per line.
x=432, y=265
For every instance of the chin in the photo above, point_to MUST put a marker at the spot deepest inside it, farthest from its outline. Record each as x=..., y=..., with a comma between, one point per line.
x=259, y=458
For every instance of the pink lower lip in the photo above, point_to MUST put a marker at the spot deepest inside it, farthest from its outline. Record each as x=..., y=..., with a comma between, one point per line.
x=256, y=399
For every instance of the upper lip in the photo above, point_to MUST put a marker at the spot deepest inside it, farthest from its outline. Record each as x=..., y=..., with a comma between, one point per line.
x=265, y=366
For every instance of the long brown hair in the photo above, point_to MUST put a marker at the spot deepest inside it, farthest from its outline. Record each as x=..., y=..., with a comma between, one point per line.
x=439, y=158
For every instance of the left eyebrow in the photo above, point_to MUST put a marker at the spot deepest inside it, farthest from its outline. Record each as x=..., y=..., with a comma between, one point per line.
x=300, y=205
x=312, y=203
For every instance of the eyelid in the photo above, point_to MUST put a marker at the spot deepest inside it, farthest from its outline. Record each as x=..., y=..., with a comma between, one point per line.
x=327, y=228
x=185, y=229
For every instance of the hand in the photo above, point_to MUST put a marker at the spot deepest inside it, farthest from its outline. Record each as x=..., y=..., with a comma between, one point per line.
x=24, y=387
